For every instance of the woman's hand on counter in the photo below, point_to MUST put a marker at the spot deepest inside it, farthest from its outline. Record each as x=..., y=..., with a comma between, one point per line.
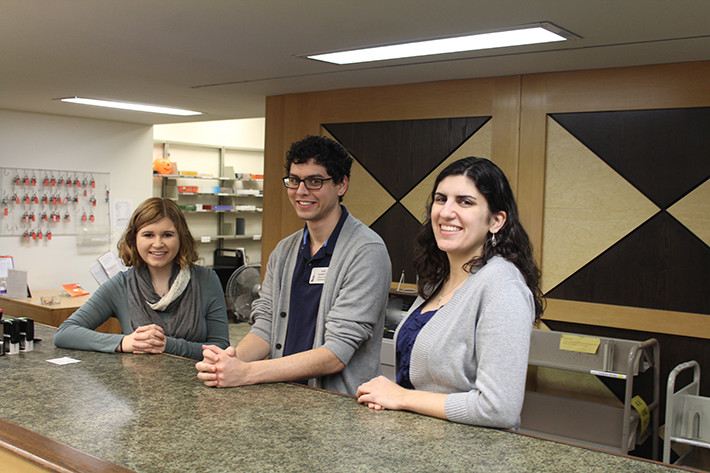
x=381, y=393
x=145, y=339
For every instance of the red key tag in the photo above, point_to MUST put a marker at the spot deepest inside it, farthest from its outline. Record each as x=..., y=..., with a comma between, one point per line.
x=4, y=211
x=39, y=235
x=83, y=218
x=49, y=235
x=93, y=183
x=91, y=217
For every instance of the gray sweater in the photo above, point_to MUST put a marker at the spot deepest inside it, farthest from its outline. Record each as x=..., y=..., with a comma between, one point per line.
x=79, y=331
x=475, y=348
x=352, y=308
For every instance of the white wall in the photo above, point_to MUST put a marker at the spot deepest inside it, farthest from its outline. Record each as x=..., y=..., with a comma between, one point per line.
x=31, y=140
x=246, y=133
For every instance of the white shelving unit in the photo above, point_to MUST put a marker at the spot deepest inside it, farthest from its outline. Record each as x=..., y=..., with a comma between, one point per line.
x=222, y=202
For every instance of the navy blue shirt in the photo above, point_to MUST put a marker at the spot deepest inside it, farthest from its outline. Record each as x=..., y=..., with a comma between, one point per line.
x=305, y=295
x=405, y=341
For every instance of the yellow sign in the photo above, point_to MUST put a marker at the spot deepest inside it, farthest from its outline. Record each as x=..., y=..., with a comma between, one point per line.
x=643, y=411
x=579, y=344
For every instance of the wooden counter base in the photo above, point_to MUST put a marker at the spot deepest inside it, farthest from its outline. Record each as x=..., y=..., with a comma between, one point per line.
x=52, y=315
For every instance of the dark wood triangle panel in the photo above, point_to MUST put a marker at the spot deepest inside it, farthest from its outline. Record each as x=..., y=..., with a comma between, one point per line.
x=663, y=153
x=660, y=265
x=399, y=154
x=398, y=228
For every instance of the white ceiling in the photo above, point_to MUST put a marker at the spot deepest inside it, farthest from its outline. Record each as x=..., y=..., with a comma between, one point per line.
x=223, y=57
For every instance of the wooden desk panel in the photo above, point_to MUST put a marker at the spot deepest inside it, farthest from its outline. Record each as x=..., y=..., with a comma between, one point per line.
x=24, y=451
x=52, y=315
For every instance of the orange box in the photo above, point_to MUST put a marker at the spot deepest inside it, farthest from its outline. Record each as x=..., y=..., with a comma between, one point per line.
x=188, y=189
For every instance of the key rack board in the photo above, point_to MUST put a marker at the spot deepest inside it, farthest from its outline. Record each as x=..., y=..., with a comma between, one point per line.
x=37, y=204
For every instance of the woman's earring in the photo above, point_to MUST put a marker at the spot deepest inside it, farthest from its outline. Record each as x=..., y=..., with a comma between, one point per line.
x=493, y=240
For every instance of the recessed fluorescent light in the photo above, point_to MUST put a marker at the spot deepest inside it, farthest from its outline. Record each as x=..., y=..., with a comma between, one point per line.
x=544, y=33
x=131, y=106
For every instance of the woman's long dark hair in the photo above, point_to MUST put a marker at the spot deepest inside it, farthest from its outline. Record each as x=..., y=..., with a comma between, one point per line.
x=512, y=242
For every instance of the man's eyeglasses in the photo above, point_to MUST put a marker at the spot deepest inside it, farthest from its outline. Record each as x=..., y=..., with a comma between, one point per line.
x=312, y=183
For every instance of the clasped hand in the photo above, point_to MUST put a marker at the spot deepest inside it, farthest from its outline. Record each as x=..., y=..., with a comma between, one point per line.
x=380, y=393
x=221, y=368
x=145, y=339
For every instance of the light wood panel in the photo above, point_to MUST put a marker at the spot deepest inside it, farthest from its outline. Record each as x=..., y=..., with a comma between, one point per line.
x=693, y=211
x=588, y=206
x=629, y=318
x=631, y=88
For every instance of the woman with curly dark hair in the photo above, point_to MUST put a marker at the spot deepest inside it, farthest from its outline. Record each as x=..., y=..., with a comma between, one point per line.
x=462, y=349
x=164, y=302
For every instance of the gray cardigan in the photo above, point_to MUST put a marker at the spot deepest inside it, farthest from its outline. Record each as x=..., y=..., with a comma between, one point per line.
x=475, y=348
x=352, y=308
x=110, y=300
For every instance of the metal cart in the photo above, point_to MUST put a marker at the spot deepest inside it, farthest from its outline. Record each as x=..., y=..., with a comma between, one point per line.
x=687, y=416
x=589, y=423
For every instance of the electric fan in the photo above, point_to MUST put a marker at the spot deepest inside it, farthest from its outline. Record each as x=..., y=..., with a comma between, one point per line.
x=242, y=289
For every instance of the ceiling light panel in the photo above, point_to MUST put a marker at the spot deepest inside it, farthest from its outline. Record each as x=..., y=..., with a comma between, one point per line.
x=131, y=106
x=544, y=33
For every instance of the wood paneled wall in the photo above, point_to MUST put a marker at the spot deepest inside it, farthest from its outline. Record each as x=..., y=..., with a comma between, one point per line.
x=671, y=86
x=520, y=108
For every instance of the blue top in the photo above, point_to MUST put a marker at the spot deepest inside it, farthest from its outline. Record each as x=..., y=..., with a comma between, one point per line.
x=305, y=294
x=405, y=341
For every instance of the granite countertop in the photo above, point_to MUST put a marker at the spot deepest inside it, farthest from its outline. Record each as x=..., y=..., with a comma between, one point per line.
x=150, y=413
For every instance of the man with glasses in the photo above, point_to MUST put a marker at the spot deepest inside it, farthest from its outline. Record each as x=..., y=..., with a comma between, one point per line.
x=321, y=311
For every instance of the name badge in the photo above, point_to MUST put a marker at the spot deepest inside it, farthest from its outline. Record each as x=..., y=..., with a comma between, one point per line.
x=318, y=275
